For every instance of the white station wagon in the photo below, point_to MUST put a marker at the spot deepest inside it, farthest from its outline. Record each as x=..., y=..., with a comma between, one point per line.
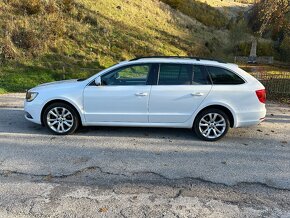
x=205, y=95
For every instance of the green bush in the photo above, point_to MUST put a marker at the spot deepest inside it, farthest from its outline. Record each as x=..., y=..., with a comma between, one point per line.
x=265, y=49
x=285, y=49
x=243, y=48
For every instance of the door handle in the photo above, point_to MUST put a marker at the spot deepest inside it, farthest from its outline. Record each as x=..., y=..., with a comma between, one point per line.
x=141, y=94
x=197, y=94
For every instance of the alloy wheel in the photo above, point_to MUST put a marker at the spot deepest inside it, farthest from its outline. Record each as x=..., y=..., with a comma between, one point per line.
x=212, y=125
x=59, y=119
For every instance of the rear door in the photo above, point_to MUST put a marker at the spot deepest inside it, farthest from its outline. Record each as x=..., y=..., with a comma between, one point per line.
x=180, y=89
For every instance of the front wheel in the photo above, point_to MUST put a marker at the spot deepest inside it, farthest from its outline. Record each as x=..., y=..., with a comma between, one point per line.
x=211, y=124
x=61, y=119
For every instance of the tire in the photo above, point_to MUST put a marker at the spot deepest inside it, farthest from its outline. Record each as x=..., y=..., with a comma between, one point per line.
x=211, y=124
x=61, y=119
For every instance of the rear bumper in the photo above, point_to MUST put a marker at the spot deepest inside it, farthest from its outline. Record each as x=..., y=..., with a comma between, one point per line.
x=251, y=118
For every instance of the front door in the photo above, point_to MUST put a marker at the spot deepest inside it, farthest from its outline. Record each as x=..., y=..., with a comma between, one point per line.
x=122, y=97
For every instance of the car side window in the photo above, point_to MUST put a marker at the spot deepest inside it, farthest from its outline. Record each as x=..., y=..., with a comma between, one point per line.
x=200, y=76
x=222, y=76
x=175, y=74
x=130, y=75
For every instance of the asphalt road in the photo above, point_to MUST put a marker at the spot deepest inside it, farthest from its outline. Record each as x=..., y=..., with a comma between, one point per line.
x=135, y=172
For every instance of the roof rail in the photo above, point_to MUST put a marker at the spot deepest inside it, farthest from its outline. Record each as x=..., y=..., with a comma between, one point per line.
x=181, y=57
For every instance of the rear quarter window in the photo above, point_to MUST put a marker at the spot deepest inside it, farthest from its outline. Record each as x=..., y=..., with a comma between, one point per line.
x=221, y=76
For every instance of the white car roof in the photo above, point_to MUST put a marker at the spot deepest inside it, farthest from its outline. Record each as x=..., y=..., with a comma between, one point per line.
x=197, y=61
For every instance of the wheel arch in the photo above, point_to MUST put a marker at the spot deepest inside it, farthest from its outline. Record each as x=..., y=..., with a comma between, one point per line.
x=223, y=108
x=59, y=101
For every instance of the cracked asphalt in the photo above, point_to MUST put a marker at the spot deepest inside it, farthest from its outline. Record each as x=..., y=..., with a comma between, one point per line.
x=143, y=172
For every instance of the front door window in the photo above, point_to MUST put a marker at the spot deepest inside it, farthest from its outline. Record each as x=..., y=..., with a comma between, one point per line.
x=132, y=75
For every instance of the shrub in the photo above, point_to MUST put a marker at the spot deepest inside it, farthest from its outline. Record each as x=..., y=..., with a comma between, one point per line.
x=51, y=7
x=7, y=51
x=199, y=50
x=55, y=27
x=238, y=32
x=243, y=48
x=90, y=19
x=285, y=49
x=25, y=39
x=265, y=49
x=68, y=5
x=30, y=7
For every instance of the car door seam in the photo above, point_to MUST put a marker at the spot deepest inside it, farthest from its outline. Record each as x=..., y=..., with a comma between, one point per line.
x=148, y=103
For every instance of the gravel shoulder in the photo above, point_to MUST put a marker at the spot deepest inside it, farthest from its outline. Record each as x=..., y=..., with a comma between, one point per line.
x=12, y=100
x=136, y=172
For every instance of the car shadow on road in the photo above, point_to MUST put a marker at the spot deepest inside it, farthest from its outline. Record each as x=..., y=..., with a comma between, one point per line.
x=13, y=121
x=138, y=132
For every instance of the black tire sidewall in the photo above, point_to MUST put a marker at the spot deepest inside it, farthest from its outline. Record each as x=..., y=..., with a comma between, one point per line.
x=70, y=109
x=203, y=113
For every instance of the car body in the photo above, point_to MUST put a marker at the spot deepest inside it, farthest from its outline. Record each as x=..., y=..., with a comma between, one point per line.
x=153, y=92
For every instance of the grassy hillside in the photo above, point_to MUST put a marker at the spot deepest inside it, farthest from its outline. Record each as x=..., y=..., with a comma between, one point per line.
x=230, y=8
x=38, y=38
x=200, y=11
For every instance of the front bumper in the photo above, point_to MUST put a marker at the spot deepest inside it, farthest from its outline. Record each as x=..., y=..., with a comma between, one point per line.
x=33, y=111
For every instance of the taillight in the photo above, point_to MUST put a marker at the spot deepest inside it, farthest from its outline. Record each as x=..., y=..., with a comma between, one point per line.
x=261, y=94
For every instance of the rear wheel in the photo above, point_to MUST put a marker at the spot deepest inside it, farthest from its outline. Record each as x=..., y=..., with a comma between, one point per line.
x=211, y=124
x=61, y=119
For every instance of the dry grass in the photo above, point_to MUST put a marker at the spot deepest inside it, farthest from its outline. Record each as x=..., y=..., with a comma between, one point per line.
x=200, y=11
x=113, y=29
x=38, y=39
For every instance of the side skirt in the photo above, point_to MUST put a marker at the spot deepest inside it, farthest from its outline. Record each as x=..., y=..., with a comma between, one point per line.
x=185, y=125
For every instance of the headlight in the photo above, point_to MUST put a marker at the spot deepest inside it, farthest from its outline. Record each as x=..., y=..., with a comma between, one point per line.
x=30, y=96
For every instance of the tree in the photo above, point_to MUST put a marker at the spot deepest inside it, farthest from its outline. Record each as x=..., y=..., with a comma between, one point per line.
x=270, y=15
x=273, y=12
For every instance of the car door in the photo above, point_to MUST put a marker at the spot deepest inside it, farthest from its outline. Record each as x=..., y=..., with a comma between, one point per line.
x=122, y=96
x=180, y=90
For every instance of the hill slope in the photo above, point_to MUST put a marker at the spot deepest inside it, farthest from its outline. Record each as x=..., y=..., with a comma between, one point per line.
x=38, y=38
x=231, y=8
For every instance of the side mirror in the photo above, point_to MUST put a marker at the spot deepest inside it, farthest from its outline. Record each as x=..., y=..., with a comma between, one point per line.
x=98, y=81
